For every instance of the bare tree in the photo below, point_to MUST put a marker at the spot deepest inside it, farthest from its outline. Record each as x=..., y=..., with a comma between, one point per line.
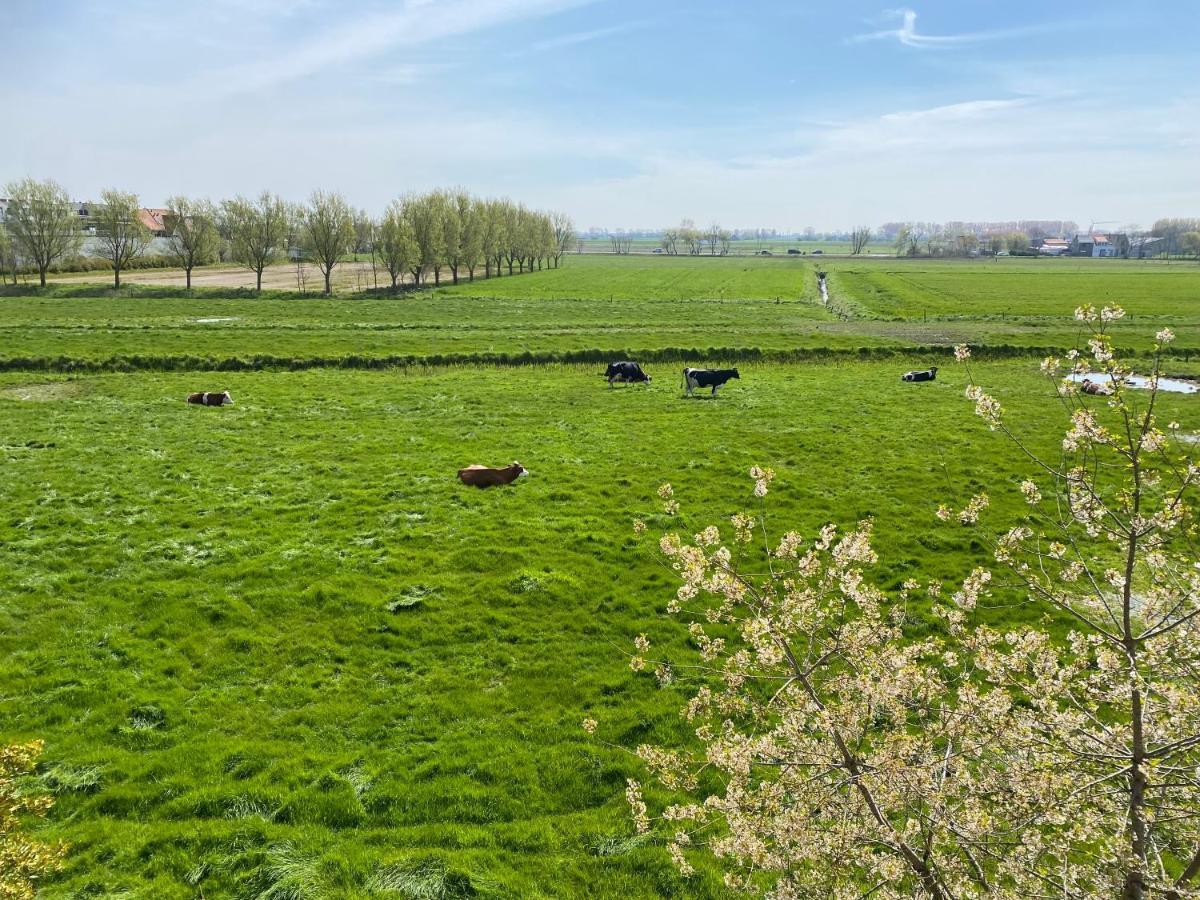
x=257, y=231
x=452, y=232
x=121, y=235
x=397, y=249
x=859, y=238
x=691, y=237
x=494, y=238
x=564, y=234
x=8, y=257
x=423, y=216
x=713, y=236
x=192, y=233
x=42, y=223
x=471, y=214
x=364, y=231
x=327, y=232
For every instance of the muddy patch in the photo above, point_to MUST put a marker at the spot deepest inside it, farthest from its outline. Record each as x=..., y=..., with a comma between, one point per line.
x=43, y=392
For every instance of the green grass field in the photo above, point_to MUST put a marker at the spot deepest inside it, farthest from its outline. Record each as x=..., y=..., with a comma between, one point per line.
x=277, y=650
x=600, y=307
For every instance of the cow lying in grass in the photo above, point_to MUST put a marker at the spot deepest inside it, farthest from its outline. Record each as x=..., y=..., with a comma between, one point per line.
x=1094, y=387
x=922, y=375
x=702, y=378
x=482, y=476
x=211, y=398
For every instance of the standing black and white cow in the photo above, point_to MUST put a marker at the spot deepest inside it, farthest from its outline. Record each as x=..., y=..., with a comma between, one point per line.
x=922, y=375
x=702, y=378
x=625, y=373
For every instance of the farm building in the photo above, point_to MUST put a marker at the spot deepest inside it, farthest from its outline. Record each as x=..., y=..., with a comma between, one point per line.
x=1095, y=245
x=1148, y=247
x=155, y=221
x=1051, y=246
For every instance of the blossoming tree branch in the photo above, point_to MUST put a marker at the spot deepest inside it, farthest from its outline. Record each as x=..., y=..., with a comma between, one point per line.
x=836, y=755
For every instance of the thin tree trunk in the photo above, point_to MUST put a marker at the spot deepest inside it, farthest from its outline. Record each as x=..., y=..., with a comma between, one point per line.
x=328, y=285
x=258, y=285
x=116, y=276
x=1135, y=877
x=41, y=275
x=189, y=277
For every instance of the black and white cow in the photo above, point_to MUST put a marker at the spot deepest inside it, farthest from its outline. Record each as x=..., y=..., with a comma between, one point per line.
x=625, y=373
x=922, y=375
x=211, y=398
x=702, y=378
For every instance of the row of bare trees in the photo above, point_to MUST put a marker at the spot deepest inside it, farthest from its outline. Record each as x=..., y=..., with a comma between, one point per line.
x=419, y=234
x=920, y=239
x=687, y=238
x=424, y=234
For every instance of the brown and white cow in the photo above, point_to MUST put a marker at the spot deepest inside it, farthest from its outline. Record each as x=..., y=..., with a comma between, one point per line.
x=211, y=398
x=483, y=476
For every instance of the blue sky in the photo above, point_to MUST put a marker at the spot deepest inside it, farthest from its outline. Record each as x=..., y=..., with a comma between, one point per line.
x=621, y=113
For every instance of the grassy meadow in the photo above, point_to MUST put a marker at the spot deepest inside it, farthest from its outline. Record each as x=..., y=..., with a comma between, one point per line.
x=595, y=307
x=276, y=650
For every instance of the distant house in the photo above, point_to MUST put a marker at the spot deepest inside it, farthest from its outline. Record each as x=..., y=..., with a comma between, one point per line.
x=1094, y=245
x=155, y=221
x=1051, y=246
x=80, y=208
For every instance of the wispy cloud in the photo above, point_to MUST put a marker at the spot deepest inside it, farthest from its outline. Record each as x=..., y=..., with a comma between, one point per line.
x=585, y=37
x=908, y=35
x=416, y=23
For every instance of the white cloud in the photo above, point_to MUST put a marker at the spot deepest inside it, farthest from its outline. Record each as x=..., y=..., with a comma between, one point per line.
x=981, y=159
x=416, y=23
x=908, y=35
x=585, y=37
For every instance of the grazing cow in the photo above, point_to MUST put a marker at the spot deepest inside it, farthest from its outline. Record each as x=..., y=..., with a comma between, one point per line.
x=923, y=375
x=482, y=476
x=1094, y=387
x=625, y=373
x=702, y=378
x=211, y=398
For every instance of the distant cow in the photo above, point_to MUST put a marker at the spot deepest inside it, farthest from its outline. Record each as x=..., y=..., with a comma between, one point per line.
x=625, y=373
x=211, y=398
x=482, y=476
x=1094, y=387
x=923, y=375
x=702, y=378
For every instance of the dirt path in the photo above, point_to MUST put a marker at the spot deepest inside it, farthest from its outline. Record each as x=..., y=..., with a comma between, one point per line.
x=350, y=276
